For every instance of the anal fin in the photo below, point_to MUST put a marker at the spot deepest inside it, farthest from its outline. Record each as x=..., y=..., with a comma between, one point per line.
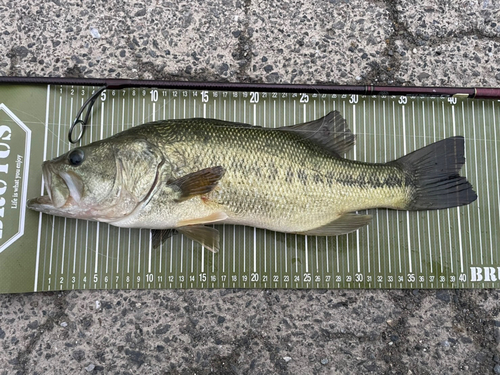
x=344, y=224
x=206, y=236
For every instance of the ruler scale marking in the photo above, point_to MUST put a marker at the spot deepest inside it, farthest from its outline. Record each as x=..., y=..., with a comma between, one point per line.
x=438, y=215
x=365, y=159
x=495, y=140
x=477, y=180
x=487, y=183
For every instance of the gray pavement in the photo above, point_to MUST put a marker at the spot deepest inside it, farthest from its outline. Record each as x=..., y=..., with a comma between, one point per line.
x=431, y=42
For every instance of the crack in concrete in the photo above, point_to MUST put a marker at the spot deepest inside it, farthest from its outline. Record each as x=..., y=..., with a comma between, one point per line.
x=243, y=52
x=24, y=356
x=392, y=355
x=388, y=72
x=228, y=364
x=469, y=317
x=478, y=323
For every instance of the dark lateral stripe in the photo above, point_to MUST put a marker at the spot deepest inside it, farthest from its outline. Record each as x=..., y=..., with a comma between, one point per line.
x=302, y=176
x=364, y=179
x=370, y=180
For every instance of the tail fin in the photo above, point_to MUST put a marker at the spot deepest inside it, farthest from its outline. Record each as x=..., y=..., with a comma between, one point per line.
x=434, y=171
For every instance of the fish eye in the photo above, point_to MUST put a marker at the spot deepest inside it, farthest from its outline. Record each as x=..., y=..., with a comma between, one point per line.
x=76, y=157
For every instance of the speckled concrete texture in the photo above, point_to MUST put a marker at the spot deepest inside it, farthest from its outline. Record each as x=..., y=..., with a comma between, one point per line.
x=431, y=42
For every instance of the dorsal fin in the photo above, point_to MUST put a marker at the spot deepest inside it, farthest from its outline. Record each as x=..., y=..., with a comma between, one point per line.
x=330, y=132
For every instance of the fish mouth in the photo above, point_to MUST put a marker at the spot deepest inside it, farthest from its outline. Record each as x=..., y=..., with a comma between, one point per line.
x=64, y=188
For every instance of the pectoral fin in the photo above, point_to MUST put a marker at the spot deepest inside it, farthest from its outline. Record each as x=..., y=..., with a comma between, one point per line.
x=206, y=236
x=197, y=183
x=344, y=224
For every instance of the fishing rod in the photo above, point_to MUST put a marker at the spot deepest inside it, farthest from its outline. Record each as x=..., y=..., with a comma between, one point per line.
x=118, y=83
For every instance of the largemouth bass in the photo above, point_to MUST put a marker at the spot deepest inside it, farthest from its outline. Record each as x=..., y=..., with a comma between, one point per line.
x=183, y=174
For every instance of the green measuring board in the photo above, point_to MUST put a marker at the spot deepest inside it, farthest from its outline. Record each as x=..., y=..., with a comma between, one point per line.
x=455, y=248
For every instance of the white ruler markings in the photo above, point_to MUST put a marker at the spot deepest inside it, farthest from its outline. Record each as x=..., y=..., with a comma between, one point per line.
x=450, y=242
x=417, y=216
x=496, y=140
x=488, y=205
x=477, y=181
x=389, y=252
x=434, y=125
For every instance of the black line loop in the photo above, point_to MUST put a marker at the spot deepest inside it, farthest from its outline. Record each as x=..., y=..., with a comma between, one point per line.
x=89, y=103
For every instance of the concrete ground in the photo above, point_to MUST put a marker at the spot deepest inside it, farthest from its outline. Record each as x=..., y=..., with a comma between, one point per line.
x=431, y=42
